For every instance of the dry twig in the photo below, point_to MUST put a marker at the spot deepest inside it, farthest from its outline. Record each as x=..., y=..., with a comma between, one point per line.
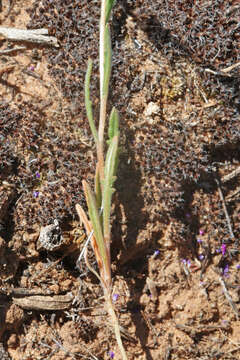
x=44, y=302
x=38, y=36
x=230, y=176
x=228, y=297
x=12, y=50
x=225, y=211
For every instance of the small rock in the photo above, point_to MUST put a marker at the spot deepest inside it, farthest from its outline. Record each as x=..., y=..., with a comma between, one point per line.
x=50, y=237
x=151, y=109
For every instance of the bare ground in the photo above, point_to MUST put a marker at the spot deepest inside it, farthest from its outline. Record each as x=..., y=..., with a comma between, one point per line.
x=176, y=215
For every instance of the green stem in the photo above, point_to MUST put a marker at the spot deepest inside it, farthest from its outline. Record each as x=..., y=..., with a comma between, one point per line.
x=100, y=148
x=103, y=101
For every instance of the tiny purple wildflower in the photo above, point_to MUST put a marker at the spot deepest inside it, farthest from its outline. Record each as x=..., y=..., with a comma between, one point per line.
x=226, y=270
x=156, y=253
x=201, y=232
x=199, y=240
x=218, y=251
x=223, y=249
x=36, y=194
x=201, y=257
x=186, y=262
x=238, y=266
x=115, y=297
x=38, y=175
x=111, y=354
x=31, y=68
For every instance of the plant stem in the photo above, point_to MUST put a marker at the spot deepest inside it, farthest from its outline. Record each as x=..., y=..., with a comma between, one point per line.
x=101, y=46
x=100, y=148
x=115, y=323
x=103, y=99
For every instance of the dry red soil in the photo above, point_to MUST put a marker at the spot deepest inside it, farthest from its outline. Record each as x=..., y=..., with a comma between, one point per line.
x=176, y=209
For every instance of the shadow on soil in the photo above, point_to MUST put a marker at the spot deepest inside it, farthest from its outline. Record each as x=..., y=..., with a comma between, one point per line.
x=131, y=219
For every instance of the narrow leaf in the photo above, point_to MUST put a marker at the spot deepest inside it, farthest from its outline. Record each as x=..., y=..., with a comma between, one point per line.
x=83, y=218
x=88, y=227
x=108, y=190
x=95, y=221
x=98, y=191
x=107, y=61
x=113, y=128
x=109, y=5
x=88, y=103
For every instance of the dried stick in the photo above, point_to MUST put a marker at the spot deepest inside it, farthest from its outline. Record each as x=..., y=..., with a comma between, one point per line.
x=228, y=297
x=39, y=36
x=229, y=68
x=225, y=211
x=230, y=176
x=10, y=51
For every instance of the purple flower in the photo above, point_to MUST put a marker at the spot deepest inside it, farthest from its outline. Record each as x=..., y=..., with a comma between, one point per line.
x=223, y=249
x=38, y=175
x=111, y=354
x=201, y=232
x=31, y=68
x=156, y=253
x=226, y=270
x=186, y=262
x=115, y=297
x=199, y=240
x=36, y=194
x=201, y=257
x=238, y=266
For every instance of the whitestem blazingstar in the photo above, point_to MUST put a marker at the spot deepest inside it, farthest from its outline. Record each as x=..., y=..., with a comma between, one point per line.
x=98, y=225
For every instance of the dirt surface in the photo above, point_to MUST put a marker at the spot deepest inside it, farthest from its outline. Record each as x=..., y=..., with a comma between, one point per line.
x=176, y=211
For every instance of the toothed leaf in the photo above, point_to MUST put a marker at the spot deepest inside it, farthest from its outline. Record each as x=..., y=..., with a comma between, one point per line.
x=109, y=178
x=113, y=128
x=109, y=6
x=93, y=213
x=107, y=60
x=88, y=103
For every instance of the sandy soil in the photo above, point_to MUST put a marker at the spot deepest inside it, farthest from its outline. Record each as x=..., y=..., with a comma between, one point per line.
x=176, y=212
